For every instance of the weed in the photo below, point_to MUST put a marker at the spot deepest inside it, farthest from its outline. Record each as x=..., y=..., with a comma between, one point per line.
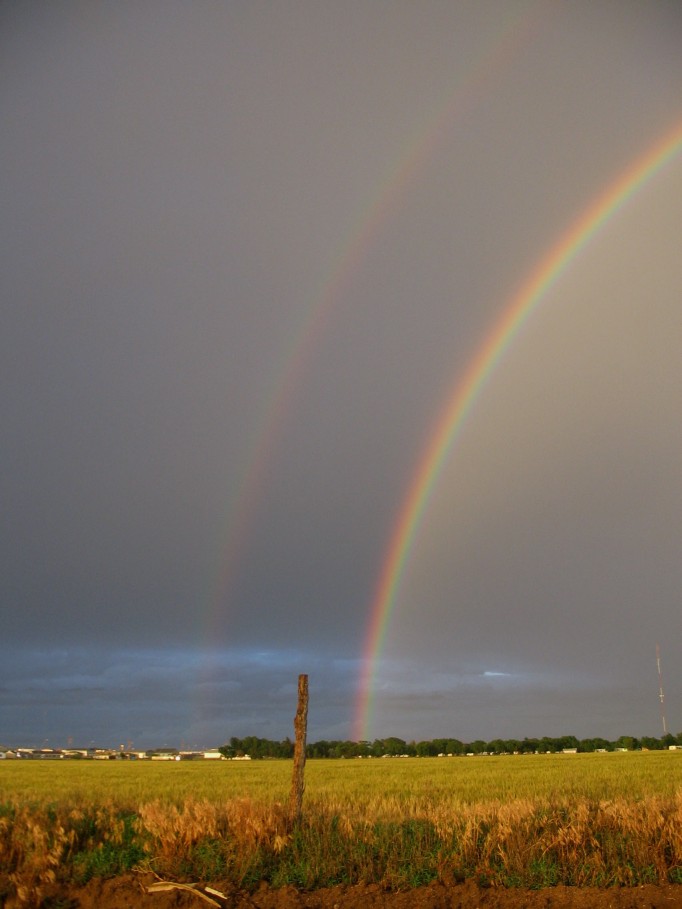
x=400, y=825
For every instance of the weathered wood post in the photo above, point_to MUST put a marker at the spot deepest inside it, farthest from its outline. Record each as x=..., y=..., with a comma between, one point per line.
x=300, y=730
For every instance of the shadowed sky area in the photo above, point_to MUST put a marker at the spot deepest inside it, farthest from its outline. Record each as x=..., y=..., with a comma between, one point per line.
x=247, y=250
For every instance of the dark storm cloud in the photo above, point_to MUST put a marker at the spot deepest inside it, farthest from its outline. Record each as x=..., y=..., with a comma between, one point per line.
x=154, y=697
x=182, y=192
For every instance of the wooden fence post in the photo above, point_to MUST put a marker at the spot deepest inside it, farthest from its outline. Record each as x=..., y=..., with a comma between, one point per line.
x=300, y=730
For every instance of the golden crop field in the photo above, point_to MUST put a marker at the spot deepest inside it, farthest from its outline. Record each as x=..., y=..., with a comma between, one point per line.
x=515, y=820
x=422, y=782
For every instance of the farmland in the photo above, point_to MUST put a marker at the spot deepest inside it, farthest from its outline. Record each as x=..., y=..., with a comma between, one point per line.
x=422, y=782
x=512, y=821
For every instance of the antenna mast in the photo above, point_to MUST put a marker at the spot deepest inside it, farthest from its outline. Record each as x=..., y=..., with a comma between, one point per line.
x=661, y=696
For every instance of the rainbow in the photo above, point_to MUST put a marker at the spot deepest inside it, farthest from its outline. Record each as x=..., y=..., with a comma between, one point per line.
x=511, y=36
x=469, y=386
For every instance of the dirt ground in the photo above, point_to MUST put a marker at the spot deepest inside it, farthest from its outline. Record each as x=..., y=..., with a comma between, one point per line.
x=132, y=892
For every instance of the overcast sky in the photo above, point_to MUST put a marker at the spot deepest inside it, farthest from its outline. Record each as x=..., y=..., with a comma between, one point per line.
x=247, y=250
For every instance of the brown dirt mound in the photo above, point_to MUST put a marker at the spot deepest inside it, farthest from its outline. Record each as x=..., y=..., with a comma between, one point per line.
x=130, y=892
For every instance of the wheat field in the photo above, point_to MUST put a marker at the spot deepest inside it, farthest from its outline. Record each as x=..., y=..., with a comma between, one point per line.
x=523, y=820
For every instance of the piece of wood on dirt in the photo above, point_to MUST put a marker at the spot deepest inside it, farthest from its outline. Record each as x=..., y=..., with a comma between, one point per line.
x=162, y=886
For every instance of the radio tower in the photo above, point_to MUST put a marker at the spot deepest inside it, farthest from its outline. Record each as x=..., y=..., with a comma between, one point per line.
x=661, y=696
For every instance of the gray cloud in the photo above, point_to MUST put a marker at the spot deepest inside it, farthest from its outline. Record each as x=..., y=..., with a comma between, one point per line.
x=183, y=193
x=148, y=695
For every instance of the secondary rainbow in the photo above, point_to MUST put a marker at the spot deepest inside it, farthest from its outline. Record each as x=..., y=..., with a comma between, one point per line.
x=512, y=35
x=467, y=389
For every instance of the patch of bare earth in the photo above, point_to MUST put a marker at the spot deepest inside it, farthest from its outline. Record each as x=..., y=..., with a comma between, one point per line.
x=131, y=892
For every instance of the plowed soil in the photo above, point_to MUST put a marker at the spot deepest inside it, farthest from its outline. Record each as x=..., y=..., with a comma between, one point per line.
x=131, y=892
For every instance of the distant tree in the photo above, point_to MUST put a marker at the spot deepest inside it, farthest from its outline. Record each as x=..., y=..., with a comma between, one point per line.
x=426, y=749
x=258, y=748
x=478, y=747
x=595, y=744
x=335, y=749
x=497, y=746
x=529, y=746
x=317, y=749
x=454, y=746
x=349, y=749
x=392, y=746
x=651, y=744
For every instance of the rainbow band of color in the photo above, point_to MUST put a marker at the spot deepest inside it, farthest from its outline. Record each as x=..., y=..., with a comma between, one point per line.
x=515, y=29
x=467, y=390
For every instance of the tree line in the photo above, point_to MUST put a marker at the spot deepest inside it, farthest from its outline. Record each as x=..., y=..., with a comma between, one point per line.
x=395, y=747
